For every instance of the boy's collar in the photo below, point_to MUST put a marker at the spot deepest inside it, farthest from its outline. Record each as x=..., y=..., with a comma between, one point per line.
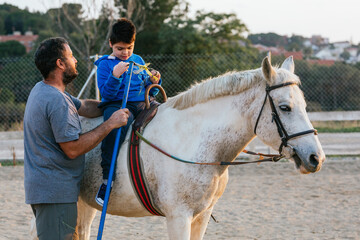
x=112, y=57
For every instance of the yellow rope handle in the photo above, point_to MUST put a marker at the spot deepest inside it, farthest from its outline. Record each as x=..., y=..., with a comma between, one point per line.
x=144, y=67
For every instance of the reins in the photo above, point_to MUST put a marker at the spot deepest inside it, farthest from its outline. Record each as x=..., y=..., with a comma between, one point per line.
x=285, y=137
x=272, y=158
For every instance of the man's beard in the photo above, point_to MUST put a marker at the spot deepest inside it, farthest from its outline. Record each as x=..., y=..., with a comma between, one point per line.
x=69, y=75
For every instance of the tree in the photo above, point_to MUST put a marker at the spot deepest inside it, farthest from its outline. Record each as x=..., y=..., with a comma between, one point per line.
x=295, y=43
x=324, y=86
x=148, y=17
x=308, y=52
x=145, y=14
x=268, y=39
x=15, y=19
x=206, y=33
x=86, y=36
x=345, y=55
x=12, y=49
x=206, y=45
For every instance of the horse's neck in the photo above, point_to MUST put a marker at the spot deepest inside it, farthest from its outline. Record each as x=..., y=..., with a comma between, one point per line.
x=217, y=130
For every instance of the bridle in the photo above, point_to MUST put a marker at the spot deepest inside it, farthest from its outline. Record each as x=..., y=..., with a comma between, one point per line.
x=285, y=137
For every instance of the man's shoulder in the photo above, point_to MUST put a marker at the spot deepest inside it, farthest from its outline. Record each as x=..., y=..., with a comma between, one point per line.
x=43, y=92
x=47, y=96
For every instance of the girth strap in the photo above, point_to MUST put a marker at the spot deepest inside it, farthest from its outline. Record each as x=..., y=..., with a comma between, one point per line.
x=135, y=165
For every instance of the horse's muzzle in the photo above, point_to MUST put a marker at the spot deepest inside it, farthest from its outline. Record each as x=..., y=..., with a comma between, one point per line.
x=310, y=164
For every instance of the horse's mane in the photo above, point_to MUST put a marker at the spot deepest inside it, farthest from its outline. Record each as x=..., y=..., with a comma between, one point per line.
x=227, y=84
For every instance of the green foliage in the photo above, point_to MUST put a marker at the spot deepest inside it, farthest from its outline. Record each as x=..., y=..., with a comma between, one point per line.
x=295, y=43
x=11, y=112
x=181, y=71
x=13, y=18
x=336, y=126
x=268, y=39
x=207, y=33
x=12, y=49
x=146, y=15
x=6, y=95
x=324, y=86
x=345, y=55
x=11, y=163
x=19, y=75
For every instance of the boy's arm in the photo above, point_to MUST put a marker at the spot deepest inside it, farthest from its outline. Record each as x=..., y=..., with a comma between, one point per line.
x=108, y=84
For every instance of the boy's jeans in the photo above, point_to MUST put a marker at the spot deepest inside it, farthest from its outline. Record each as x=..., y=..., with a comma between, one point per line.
x=107, y=146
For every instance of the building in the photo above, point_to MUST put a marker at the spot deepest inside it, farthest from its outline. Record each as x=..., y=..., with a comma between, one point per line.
x=274, y=50
x=27, y=40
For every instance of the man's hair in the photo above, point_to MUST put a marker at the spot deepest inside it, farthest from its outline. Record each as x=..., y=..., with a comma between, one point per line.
x=49, y=51
x=123, y=30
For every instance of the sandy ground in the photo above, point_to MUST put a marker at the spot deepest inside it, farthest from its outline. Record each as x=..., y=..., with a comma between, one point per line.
x=267, y=201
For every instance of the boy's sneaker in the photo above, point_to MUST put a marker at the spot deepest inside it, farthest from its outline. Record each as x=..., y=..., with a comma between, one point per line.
x=100, y=196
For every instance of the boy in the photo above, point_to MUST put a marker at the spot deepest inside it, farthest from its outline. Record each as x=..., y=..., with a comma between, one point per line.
x=111, y=73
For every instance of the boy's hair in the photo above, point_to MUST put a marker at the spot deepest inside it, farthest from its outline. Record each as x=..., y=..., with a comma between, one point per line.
x=49, y=51
x=123, y=30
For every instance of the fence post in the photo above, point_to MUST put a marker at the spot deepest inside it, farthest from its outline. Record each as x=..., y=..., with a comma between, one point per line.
x=97, y=92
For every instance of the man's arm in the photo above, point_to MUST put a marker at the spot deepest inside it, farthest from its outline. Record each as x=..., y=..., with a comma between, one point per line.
x=89, y=140
x=89, y=108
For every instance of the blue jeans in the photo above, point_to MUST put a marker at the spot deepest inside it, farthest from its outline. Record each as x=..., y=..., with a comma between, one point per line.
x=107, y=146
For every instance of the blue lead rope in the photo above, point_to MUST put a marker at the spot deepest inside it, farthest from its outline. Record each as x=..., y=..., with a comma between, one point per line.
x=113, y=160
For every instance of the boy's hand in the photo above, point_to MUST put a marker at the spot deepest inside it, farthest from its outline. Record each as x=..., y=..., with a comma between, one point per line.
x=157, y=75
x=120, y=68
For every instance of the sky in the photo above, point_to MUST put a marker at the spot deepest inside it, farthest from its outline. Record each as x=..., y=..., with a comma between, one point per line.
x=337, y=20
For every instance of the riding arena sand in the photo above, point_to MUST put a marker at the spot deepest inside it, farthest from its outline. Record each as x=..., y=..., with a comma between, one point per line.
x=266, y=201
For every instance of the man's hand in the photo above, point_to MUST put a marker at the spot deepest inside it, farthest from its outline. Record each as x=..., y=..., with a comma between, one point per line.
x=120, y=68
x=157, y=75
x=119, y=118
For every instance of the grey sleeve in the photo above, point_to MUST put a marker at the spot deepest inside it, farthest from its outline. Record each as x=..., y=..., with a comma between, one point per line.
x=75, y=100
x=64, y=120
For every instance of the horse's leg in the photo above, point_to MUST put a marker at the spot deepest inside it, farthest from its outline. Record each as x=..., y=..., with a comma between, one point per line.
x=86, y=215
x=199, y=225
x=178, y=227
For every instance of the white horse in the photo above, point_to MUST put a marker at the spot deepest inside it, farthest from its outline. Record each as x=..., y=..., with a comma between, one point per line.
x=211, y=122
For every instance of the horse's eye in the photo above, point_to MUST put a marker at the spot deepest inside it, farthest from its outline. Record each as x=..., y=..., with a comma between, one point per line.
x=285, y=108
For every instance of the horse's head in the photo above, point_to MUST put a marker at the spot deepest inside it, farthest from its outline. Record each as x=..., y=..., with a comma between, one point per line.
x=283, y=122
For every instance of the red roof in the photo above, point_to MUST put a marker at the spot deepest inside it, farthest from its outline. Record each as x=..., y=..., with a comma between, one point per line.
x=26, y=40
x=321, y=62
x=296, y=55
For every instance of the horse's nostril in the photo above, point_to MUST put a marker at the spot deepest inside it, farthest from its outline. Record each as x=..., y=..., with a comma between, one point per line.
x=314, y=160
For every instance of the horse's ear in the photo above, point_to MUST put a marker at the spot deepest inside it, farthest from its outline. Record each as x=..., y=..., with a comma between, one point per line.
x=267, y=69
x=269, y=56
x=288, y=64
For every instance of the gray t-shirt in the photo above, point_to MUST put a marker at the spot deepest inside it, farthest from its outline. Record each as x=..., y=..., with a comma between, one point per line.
x=50, y=118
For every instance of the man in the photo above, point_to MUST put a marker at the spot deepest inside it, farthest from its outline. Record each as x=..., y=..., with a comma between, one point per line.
x=53, y=143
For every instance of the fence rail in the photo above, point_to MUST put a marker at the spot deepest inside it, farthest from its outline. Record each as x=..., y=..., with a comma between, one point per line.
x=326, y=88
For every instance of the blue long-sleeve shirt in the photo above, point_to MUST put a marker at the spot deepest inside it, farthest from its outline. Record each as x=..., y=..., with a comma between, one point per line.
x=112, y=88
